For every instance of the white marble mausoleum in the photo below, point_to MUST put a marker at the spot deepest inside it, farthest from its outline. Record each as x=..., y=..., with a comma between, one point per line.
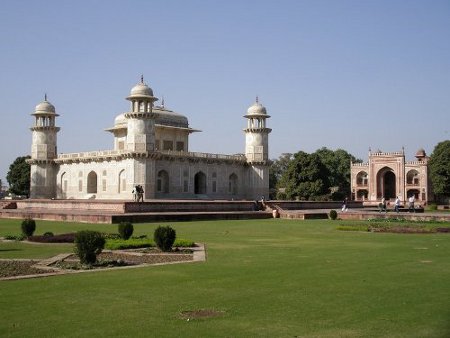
x=151, y=149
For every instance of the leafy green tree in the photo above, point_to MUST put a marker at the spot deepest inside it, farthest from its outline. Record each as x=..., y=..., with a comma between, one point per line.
x=306, y=178
x=338, y=164
x=440, y=169
x=276, y=170
x=18, y=176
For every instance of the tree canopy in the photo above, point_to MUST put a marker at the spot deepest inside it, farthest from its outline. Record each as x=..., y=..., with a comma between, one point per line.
x=322, y=175
x=18, y=176
x=440, y=169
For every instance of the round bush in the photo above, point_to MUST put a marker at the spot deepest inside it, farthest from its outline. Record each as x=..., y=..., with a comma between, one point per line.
x=88, y=244
x=48, y=234
x=28, y=227
x=333, y=214
x=164, y=238
x=125, y=230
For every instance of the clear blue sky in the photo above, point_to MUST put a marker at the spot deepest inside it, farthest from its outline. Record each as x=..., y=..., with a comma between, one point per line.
x=341, y=74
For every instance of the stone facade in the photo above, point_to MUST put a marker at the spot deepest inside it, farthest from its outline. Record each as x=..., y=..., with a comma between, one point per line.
x=151, y=149
x=388, y=175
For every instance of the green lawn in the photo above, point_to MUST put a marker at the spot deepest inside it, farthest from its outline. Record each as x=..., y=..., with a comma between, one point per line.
x=272, y=278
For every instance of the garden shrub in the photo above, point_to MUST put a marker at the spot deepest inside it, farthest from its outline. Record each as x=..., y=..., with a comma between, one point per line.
x=48, y=234
x=15, y=237
x=138, y=243
x=28, y=227
x=333, y=214
x=125, y=230
x=164, y=238
x=88, y=244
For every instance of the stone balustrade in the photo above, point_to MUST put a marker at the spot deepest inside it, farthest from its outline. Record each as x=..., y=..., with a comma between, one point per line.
x=359, y=164
x=105, y=154
x=395, y=153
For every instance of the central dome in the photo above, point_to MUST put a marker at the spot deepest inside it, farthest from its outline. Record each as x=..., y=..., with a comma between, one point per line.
x=166, y=117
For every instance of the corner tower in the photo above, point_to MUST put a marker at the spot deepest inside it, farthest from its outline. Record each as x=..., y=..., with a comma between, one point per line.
x=141, y=119
x=257, y=149
x=43, y=151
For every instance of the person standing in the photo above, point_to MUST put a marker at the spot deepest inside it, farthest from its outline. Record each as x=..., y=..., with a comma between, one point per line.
x=397, y=205
x=135, y=193
x=411, y=204
x=140, y=194
x=383, y=205
x=344, y=205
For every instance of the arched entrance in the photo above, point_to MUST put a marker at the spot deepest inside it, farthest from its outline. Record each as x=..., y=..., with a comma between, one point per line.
x=162, y=182
x=200, y=183
x=233, y=184
x=122, y=181
x=92, y=183
x=63, y=185
x=362, y=195
x=386, y=183
x=413, y=192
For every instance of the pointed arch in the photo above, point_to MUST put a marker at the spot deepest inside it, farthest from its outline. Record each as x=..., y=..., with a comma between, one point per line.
x=362, y=178
x=386, y=186
x=162, y=182
x=233, y=184
x=412, y=177
x=63, y=184
x=122, y=182
x=92, y=183
x=200, y=183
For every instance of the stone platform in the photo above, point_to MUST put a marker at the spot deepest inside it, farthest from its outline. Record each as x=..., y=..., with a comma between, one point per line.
x=115, y=211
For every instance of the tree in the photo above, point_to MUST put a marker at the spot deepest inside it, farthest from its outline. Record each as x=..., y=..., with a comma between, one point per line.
x=305, y=178
x=18, y=176
x=338, y=164
x=276, y=170
x=440, y=169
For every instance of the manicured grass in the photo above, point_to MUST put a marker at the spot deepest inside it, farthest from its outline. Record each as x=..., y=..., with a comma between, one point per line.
x=272, y=278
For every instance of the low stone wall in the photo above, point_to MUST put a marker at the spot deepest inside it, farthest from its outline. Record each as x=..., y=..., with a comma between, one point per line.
x=189, y=206
x=309, y=205
x=90, y=205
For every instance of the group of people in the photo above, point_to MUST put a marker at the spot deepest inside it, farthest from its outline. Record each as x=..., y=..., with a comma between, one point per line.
x=397, y=204
x=138, y=193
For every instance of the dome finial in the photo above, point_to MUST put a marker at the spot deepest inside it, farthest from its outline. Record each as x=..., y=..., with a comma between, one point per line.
x=257, y=99
x=45, y=97
x=142, y=78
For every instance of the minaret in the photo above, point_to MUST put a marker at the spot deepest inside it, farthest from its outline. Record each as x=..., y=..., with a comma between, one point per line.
x=141, y=137
x=141, y=119
x=43, y=151
x=257, y=149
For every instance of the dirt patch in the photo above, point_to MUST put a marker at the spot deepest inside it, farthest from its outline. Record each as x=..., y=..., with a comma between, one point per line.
x=202, y=313
x=15, y=268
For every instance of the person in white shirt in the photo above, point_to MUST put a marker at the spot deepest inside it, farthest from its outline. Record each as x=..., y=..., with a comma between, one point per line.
x=411, y=204
x=397, y=204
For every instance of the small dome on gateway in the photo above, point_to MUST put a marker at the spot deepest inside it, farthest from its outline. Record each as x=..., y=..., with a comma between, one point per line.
x=141, y=90
x=256, y=109
x=421, y=153
x=44, y=107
